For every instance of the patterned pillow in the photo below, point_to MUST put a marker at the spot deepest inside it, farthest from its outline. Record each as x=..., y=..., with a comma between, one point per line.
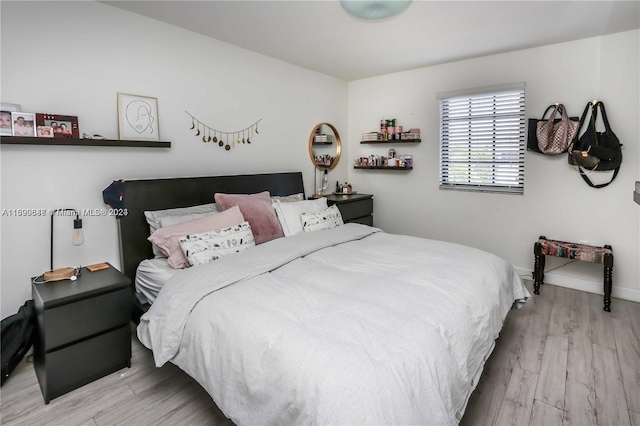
x=212, y=245
x=326, y=219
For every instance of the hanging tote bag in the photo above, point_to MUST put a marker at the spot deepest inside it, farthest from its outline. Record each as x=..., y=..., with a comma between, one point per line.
x=593, y=150
x=555, y=136
x=532, y=139
x=580, y=146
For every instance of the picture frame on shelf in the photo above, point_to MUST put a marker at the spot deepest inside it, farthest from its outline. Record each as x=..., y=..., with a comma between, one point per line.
x=23, y=124
x=44, y=131
x=137, y=117
x=6, y=123
x=63, y=126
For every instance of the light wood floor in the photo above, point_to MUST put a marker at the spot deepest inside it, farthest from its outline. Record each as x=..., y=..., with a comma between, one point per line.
x=559, y=360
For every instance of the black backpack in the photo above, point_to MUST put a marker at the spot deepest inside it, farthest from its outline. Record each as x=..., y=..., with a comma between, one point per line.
x=18, y=334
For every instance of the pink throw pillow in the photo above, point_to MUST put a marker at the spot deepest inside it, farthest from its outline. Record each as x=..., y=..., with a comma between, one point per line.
x=167, y=238
x=257, y=210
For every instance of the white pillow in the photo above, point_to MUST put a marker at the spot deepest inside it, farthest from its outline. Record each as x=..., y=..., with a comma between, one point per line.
x=326, y=219
x=211, y=245
x=289, y=213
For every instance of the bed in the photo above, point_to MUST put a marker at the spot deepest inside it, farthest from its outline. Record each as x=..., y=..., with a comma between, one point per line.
x=157, y=194
x=348, y=325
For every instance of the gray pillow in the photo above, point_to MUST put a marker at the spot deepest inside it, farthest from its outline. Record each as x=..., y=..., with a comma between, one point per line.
x=172, y=220
x=287, y=198
x=159, y=218
x=154, y=216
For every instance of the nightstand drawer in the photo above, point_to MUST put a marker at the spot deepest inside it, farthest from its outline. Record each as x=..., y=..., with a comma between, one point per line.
x=75, y=321
x=367, y=220
x=355, y=209
x=76, y=365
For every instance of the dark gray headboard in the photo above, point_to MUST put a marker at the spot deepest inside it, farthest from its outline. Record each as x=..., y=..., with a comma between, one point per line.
x=159, y=194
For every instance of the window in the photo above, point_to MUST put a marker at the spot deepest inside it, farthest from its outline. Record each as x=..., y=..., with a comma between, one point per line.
x=482, y=140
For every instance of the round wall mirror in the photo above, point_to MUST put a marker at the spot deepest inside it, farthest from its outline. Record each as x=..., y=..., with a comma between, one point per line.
x=324, y=146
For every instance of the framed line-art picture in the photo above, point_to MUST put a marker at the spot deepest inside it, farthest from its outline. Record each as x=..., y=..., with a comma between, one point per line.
x=137, y=117
x=5, y=118
x=62, y=126
x=23, y=124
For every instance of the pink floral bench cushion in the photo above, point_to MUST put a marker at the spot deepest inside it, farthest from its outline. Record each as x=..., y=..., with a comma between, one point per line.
x=593, y=254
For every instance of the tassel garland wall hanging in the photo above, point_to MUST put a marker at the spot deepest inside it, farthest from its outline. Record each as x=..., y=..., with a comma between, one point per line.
x=226, y=139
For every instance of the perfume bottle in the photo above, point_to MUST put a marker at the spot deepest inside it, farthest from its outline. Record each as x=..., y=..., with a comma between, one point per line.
x=325, y=180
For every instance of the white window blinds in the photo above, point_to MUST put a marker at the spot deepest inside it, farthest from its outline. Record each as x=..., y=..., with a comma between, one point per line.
x=482, y=140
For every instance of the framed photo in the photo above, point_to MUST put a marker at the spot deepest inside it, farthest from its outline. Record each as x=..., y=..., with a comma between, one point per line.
x=23, y=124
x=137, y=117
x=5, y=118
x=44, y=131
x=63, y=126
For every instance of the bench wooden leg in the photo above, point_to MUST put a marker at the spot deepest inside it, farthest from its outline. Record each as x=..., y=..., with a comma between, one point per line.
x=608, y=280
x=538, y=270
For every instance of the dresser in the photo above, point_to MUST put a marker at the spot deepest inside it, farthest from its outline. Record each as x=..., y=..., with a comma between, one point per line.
x=356, y=208
x=83, y=330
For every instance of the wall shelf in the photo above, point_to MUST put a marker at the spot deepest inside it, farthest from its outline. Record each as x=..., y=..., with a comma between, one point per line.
x=21, y=140
x=394, y=141
x=383, y=168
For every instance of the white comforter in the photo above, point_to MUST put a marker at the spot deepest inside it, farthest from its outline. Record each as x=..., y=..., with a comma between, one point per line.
x=344, y=326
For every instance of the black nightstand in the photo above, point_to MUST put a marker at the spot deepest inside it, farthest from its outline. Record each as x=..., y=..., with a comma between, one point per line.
x=354, y=208
x=83, y=330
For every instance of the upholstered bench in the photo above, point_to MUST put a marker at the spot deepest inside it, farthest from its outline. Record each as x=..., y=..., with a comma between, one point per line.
x=586, y=253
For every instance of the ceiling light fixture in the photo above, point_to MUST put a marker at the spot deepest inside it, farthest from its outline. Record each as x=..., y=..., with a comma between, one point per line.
x=374, y=9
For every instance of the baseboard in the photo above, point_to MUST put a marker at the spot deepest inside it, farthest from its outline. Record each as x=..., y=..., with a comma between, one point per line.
x=582, y=284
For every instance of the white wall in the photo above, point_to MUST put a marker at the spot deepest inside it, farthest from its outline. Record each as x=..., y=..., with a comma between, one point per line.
x=73, y=57
x=557, y=203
